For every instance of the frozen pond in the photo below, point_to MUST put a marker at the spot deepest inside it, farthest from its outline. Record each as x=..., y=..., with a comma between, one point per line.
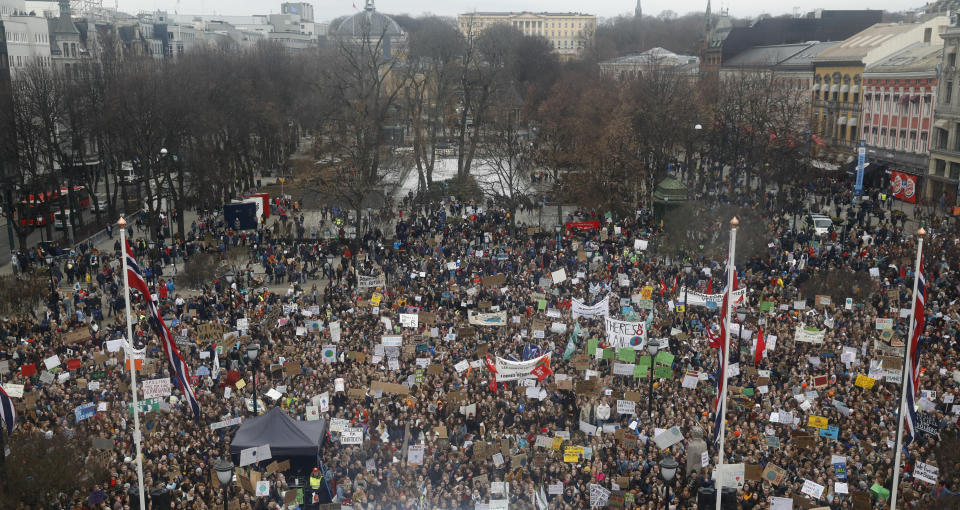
x=445, y=169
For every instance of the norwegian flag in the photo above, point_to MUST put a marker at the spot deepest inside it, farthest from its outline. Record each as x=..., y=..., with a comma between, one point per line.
x=717, y=342
x=177, y=365
x=8, y=413
x=913, y=369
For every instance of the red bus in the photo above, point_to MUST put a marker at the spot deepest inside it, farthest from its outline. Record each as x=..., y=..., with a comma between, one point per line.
x=37, y=209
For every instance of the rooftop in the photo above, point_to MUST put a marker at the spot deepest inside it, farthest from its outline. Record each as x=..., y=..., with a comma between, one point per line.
x=917, y=57
x=859, y=45
x=766, y=56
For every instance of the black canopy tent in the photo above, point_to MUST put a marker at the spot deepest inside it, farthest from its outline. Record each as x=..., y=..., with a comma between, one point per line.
x=288, y=438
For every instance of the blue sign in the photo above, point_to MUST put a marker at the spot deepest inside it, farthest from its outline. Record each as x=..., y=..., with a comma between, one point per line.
x=861, y=158
x=85, y=411
x=840, y=471
x=833, y=432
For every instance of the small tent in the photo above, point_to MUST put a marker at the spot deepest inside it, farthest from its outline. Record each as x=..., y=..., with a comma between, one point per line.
x=287, y=437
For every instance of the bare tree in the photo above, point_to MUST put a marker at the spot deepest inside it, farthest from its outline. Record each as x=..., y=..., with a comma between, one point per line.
x=429, y=95
x=506, y=159
x=363, y=82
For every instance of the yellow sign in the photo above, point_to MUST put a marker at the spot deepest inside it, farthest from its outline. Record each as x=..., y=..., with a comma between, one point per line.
x=574, y=458
x=376, y=298
x=557, y=442
x=646, y=292
x=573, y=450
x=865, y=382
x=240, y=384
x=818, y=422
x=681, y=308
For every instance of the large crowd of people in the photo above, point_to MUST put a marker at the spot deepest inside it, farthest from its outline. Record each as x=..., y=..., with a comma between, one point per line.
x=439, y=430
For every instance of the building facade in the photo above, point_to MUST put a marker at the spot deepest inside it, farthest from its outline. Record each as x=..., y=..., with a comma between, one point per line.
x=568, y=33
x=633, y=66
x=838, y=74
x=898, y=97
x=943, y=173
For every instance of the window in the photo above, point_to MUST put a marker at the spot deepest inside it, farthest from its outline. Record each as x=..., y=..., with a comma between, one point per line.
x=939, y=167
x=940, y=138
x=948, y=94
x=913, y=141
x=883, y=137
x=951, y=59
x=66, y=50
x=927, y=33
x=954, y=170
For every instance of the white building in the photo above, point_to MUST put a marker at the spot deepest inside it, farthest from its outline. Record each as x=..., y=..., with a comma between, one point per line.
x=24, y=39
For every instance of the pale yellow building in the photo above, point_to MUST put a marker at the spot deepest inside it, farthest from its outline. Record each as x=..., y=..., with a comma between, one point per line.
x=567, y=32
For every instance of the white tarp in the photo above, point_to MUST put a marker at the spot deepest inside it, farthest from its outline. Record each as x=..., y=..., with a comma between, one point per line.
x=580, y=309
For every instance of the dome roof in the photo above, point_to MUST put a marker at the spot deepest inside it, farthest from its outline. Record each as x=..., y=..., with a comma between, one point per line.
x=368, y=22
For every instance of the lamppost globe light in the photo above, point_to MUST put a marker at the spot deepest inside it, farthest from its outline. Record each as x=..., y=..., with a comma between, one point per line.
x=668, y=468
x=253, y=350
x=653, y=347
x=224, y=469
x=698, y=127
x=163, y=151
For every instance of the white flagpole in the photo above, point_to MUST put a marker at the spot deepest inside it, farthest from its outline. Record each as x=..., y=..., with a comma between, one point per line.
x=726, y=354
x=906, y=373
x=133, y=372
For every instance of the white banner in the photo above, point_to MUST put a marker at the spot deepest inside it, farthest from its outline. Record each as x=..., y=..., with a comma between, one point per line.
x=626, y=407
x=256, y=454
x=13, y=390
x=487, y=319
x=226, y=423
x=154, y=388
x=392, y=341
x=415, y=454
x=809, y=335
x=409, y=320
x=579, y=309
x=335, y=332
x=353, y=435
x=926, y=472
x=694, y=298
x=515, y=370
x=626, y=334
x=366, y=282
x=338, y=424
x=812, y=489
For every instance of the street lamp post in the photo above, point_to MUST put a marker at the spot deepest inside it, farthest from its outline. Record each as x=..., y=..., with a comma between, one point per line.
x=224, y=469
x=252, y=351
x=652, y=347
x=668, y=469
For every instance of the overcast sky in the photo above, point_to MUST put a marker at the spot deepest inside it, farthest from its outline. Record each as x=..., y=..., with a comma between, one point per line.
x=329, y=9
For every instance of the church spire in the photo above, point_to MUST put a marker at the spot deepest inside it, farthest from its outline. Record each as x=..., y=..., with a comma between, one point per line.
x=638, y=11
x=707, y=24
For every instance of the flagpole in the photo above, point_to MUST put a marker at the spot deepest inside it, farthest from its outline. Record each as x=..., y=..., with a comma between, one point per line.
x=122, y=223
x=726, y=355
x=906, y=373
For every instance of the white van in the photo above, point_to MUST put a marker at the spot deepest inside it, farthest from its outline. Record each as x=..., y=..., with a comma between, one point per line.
x=127, y=173
x=821, y=223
